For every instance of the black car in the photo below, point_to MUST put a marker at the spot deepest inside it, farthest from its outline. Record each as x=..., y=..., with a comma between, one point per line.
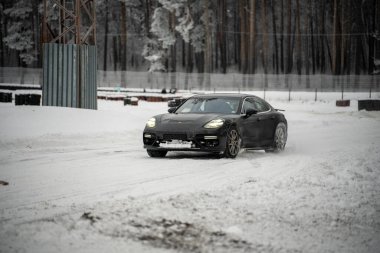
x=218, y=123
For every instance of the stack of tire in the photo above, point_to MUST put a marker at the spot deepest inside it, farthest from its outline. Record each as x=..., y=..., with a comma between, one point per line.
x=131, y=101
x=343, y=103
x=134, y=101
x=127, y=100
x=369, y=105
x=5, y=97
x=28, y=99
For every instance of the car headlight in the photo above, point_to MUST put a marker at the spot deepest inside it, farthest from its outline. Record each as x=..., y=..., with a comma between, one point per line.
x=151, y=123
x=215, y=123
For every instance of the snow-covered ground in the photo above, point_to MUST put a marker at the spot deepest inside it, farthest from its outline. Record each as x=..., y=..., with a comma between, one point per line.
x=80, y=181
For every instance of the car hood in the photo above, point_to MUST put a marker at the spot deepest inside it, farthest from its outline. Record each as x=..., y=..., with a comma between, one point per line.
x=185, y=121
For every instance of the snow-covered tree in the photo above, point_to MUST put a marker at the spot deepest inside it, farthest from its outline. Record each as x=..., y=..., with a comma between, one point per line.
x=161, y=27
x=20, y=32
x=164, y=33
x=154, y=53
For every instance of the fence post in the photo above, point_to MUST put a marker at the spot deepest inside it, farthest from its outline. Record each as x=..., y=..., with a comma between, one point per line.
x=264, y=93
x=316, y=95
x=342, y=90
x=289, y=93
x=370, y=92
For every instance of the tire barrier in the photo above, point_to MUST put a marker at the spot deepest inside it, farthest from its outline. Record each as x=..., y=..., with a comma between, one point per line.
x=127, y=101
x=113, y=98
x=131, y=101
x=173, y=91
x=343, y=103
x=140, y=97
x=20, y=87
x=369, y=105
x=27, y=99
x=134, y=101
x=5, y=97
x=3, y=183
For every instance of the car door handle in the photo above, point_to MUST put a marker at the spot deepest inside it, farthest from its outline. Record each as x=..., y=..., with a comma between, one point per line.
x=263, y=118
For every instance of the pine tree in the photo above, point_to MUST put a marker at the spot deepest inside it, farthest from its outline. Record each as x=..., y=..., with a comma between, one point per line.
x=20, y=31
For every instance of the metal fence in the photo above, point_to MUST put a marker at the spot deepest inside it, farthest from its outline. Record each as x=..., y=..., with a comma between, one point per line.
x=69, y=76
x=236, y=82
x=217, y=82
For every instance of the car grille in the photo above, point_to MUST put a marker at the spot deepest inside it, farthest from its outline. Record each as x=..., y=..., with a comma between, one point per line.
x=175, y=137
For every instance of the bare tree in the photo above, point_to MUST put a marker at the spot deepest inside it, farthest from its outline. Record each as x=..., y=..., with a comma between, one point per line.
x=298, y=39
x=105, y=51
x=123, y=41
x=207, y=51
x=252, y=37
x=282, y=38
x=265, y=36
x=289, y=39
x=334, y=37
x=243, y=31
x=275, y=62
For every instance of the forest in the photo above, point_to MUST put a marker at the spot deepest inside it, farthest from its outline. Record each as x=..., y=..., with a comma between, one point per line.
x=304, y=37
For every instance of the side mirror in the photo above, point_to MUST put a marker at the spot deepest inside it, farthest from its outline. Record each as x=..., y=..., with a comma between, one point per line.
x=172, y=109
x=250, y=112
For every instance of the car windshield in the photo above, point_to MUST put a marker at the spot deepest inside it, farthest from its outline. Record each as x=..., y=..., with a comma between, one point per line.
x=223, y=105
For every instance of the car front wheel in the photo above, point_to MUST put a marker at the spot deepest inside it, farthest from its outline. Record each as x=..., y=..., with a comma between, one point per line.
x=233, y=143
x=156, y=153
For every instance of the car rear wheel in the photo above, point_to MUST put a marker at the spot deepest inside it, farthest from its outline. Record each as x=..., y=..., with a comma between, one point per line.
x=280, y=138
x=233, y=143
x=156, y=153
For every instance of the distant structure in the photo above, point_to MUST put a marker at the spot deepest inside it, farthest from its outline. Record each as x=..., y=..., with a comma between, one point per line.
x=76, y=22
x=69, y=53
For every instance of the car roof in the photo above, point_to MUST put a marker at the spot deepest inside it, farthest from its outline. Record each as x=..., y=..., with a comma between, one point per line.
x=223, y=95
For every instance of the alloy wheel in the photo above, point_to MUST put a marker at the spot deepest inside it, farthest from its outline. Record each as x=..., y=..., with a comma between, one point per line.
x=280, y=139
x=233, y=142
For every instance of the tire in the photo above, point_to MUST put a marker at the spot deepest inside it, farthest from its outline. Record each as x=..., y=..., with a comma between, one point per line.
x=233, y=143
x=279, y=139
x=156, y=153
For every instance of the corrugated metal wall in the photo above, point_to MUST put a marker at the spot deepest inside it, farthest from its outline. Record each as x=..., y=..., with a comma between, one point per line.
x=69, y=76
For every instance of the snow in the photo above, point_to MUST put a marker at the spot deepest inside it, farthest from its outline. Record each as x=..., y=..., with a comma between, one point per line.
x=79, y=180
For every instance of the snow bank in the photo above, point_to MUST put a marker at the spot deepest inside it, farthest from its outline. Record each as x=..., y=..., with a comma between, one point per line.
x=20, y=122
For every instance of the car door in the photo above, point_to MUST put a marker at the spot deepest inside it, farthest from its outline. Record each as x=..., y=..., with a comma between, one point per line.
x=252, y=127
x=267, y=121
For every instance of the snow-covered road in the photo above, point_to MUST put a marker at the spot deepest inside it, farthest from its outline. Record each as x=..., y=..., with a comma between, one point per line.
x=80, y=180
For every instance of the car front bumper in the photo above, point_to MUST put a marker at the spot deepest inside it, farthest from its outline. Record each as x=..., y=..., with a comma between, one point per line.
x=205, y=140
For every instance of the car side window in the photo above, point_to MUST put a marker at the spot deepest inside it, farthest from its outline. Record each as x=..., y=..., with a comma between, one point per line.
x=248, y=104
x=255, y=104
x=261, y=106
